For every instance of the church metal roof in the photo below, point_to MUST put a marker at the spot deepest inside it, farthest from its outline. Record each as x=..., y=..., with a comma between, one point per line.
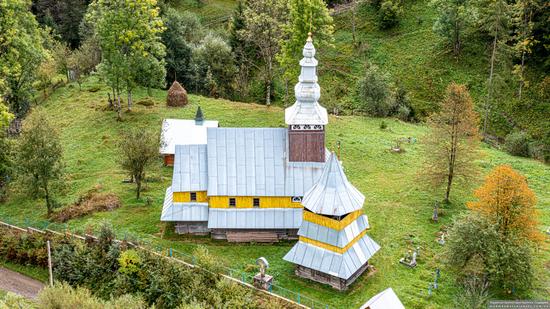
x=190, y=169
x=254, y=218
x=182, y=211
x=333, y=194
x=183, y=132
x=331, y=236
x=253, y=162
x=332, y=263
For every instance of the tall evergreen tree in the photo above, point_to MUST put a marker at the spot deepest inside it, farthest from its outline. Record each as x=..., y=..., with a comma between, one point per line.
x=496, y=18
x=453, y=20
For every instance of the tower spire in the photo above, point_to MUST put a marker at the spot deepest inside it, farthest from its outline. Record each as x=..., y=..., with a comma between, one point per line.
x=306, y=110
x=306, y=119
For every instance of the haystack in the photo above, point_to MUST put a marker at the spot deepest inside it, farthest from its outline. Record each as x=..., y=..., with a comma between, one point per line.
x=177, y=96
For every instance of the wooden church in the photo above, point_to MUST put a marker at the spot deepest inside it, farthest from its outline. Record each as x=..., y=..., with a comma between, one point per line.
x=252, y=184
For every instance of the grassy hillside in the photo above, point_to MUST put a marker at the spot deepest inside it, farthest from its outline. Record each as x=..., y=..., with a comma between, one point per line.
x=398, y=205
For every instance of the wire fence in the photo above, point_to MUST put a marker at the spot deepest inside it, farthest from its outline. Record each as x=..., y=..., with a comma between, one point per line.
x=151, y=244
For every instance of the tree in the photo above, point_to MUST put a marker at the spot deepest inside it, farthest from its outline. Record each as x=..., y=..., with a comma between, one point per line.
x=451, y=145
x=39, y=159
x=243, y=52
x=129, y=35
x=523, y=19
x=82, y=61
x=477, y=251
x=22, y=52
x=139, y=150
x=214, y=64
x=5, y=115
x=264, y=20
x=388, y=14
x=454, y=18
x=304, y=16
x=496, y=18
x=5, y=149
x=63, y=16
x=182, y=30
x=374, y=92
x=507, y=202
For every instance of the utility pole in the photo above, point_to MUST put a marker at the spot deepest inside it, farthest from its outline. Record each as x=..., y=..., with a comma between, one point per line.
x=50, y=262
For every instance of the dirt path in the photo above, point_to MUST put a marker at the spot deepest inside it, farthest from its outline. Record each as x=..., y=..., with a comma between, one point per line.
x=20, y=284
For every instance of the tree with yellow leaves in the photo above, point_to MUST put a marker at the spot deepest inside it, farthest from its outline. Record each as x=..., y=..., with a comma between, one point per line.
x=451, y=146
x=506, y=200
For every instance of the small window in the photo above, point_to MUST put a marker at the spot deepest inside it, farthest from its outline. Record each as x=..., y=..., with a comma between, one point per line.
x=232, y=202
x=296, y=199
x=256, y=202
x=193, y=196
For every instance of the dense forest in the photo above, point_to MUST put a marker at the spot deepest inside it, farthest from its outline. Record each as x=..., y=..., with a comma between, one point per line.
x=499, y=49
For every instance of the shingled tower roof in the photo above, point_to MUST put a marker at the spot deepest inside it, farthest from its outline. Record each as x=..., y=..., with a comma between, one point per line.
x=333, y=194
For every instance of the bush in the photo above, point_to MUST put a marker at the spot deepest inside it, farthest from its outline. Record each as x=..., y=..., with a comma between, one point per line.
x=22, y=248
x=63, y=296
x=146, y=102
x=517, y=143
x=388, y=14
x=404, y=113
x=374, y=94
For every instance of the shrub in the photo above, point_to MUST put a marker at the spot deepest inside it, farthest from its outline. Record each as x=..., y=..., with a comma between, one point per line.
x=63, y=296
x=374, y=94
x=517, y=143
x=383, y=125
x=403, y=113
x=388, y=14
x=23, y=248
x=146, y=102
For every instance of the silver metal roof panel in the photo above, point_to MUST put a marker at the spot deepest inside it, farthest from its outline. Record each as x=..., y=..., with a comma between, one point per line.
x=190, y=169
x=331, y=236
x=254, y=218
x=252, y=162
x=339, y=265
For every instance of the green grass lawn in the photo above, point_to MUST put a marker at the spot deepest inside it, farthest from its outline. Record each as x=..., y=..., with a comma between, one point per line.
x=398, y=205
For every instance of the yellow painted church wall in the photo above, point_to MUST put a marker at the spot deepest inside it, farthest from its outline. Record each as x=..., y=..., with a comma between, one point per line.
x=185, y=197
x=247, y=202
x=332, y=223
x=331, y=247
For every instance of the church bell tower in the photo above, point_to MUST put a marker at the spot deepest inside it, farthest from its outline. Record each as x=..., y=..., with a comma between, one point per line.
x=306, y=119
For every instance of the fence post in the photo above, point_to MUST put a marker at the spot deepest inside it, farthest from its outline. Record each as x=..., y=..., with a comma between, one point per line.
x=298, y=298
x=170, y=252
x=242, y=275
x=50, y=262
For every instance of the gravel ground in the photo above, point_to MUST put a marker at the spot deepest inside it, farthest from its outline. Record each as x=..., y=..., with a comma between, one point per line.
x=17, y=283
